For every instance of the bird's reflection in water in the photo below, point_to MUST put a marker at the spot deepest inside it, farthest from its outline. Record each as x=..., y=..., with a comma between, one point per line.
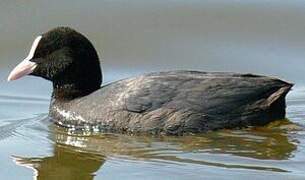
x=79, y=156
x=66, y=163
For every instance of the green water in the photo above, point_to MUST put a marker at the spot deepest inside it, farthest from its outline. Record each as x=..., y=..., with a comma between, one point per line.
x=31, y=146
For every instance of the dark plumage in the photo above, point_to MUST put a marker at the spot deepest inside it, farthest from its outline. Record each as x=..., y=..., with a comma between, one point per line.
x=70, y=61
x=174, y=102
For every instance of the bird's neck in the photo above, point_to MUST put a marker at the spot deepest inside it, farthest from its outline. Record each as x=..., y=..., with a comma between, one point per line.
x=70, y=91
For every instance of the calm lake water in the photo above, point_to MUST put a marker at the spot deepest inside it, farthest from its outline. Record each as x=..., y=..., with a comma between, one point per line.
x=265, y=37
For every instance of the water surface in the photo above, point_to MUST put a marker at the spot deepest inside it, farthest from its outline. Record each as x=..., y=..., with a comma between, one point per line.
x=31, y=146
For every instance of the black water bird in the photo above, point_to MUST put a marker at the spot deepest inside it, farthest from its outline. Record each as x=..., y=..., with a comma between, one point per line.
x=174, y=102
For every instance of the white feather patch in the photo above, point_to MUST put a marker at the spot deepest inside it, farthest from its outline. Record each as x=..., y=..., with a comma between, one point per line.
x=33, y=48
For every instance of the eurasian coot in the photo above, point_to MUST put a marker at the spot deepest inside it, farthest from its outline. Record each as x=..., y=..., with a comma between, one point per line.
x=174, y=102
